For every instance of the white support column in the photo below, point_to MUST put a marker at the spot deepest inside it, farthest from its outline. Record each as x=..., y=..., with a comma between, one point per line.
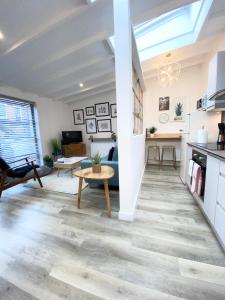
x=124, y=95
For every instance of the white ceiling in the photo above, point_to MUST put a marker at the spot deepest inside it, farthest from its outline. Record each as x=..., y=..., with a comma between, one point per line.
x=51, y=46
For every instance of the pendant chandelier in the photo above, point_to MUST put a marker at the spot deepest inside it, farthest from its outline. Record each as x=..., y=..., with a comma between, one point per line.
x=169, y=72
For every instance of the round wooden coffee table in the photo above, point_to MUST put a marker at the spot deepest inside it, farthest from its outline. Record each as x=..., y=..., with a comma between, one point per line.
x=105, y=175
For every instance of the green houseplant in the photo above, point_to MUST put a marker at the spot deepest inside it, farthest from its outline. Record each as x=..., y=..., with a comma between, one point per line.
x=48, y=161
x=96, y=163
x=152, y=131
x=55, y=147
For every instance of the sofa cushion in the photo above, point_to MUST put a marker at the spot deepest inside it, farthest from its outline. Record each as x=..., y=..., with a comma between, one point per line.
x=110, y=155
x=115, y=154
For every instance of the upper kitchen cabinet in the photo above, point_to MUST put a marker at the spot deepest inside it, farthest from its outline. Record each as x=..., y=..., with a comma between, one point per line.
x=216, y=77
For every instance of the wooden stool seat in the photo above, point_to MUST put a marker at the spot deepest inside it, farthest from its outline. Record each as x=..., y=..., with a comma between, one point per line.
x=157, y=153
x=169, y=148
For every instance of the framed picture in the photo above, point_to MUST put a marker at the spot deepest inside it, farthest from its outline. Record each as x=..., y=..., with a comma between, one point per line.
x=113, y=110
x=164, y=103
x=90, y=110
x=78, y=115
x=102, y=109
x=91, y=126
x=104, y=125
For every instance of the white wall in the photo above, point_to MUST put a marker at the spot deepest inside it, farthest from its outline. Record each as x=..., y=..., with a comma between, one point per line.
x=188, y=88
x=53, y=116
x=131, y=148
x=106, y=97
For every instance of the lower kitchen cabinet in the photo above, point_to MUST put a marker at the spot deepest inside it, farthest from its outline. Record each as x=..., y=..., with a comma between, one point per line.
x=220, y=222
x=211, y=186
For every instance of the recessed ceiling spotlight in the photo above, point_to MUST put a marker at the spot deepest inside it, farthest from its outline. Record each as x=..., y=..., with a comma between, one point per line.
x=90, y=1
x=81, y=84
x=1, y=36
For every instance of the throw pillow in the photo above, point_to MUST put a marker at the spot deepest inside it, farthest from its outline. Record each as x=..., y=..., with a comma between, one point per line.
x=115, y=154
x=110, y=155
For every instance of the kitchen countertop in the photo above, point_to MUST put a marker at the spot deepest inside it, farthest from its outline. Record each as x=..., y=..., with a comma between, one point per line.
x=220, y=154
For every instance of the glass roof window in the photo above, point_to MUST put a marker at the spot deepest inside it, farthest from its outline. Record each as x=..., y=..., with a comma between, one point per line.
x=172, y=30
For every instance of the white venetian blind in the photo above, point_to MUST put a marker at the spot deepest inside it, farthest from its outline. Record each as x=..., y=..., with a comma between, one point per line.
x=18, y=136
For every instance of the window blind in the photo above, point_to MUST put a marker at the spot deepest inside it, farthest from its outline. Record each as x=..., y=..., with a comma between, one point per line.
x=18, y=135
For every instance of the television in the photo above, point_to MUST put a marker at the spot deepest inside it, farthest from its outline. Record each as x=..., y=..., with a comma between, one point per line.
x=69, y=137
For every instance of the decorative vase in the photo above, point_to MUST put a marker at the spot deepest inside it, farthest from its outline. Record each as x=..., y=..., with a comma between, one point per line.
x=96, y=168
x=152, y=135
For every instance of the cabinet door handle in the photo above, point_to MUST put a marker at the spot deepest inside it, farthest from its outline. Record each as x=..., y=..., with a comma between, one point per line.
x=221, y=174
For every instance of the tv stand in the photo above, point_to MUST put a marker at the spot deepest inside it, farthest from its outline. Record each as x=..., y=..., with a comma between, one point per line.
x=74, y=149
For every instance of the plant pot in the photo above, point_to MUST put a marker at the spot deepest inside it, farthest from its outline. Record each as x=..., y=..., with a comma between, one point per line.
x=152, y=135
x=96, y=168
x=49, y=164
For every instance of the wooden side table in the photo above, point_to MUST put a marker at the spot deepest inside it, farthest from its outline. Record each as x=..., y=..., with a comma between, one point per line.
x=105, y=175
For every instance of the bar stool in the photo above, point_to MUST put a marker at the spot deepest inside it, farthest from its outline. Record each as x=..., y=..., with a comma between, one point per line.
x=156, y=151
x=169, y=149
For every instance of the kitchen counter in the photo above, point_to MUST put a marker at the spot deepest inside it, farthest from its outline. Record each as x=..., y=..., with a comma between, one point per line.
x=219, y=154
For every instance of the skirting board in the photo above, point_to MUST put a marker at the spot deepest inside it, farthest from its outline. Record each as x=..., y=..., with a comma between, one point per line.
x=130, y=215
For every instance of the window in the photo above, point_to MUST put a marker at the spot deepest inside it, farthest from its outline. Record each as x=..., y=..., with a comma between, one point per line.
x=18, y=135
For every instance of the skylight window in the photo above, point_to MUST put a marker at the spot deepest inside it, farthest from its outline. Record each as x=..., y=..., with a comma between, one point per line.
x=171, y=30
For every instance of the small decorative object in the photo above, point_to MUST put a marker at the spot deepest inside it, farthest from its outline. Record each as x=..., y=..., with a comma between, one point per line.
x=56, y=151
x=91, y=126
x=104, y=125
x=152, y=131
x=102, y=109
x=113, y=136
x=90, y=110
x=164, y=103
x=178, y=111
x=48, y=161
x=113, y=110
x=164, y=118
x=96, y=163
x=78, y=115
x=91, y=138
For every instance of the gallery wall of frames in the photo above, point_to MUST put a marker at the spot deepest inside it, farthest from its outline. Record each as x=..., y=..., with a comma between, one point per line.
x=96, y=117
x=138, y=105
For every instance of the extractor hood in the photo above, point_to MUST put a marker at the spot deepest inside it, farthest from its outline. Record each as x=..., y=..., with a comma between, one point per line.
x=216, y=83
x=217, y=101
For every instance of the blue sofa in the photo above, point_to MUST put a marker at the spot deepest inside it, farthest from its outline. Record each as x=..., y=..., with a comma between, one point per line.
x=114, y=181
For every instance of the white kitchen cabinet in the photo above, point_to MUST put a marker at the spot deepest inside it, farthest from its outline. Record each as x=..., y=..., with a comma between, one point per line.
x=220, y=223
x=211, y=185
x=220, y=204
x=221, y=186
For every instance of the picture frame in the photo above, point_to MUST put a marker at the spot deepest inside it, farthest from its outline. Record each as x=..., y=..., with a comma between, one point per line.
x=91, y=126
x=104, y=125
x=113, y=109
x=78, y=116
x=164, y=103
x=102, y=109
x=90, y=110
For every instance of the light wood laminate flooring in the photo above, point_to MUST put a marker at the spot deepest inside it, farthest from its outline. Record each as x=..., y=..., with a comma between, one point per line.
x=51, y=250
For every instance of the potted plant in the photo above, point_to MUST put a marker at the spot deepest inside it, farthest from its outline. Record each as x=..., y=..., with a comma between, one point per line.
x=48, y=161
x=96, y=163
x=113, y=136
x=56, y=151
x=178, y=111
x=152, y=131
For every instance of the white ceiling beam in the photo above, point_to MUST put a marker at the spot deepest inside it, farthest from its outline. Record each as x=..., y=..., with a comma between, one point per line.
x=93, y=87
x=90, y=92
x=75, y=84
x=100, y=92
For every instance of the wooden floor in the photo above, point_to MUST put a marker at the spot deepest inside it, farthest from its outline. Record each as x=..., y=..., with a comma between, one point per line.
x=50, y=250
